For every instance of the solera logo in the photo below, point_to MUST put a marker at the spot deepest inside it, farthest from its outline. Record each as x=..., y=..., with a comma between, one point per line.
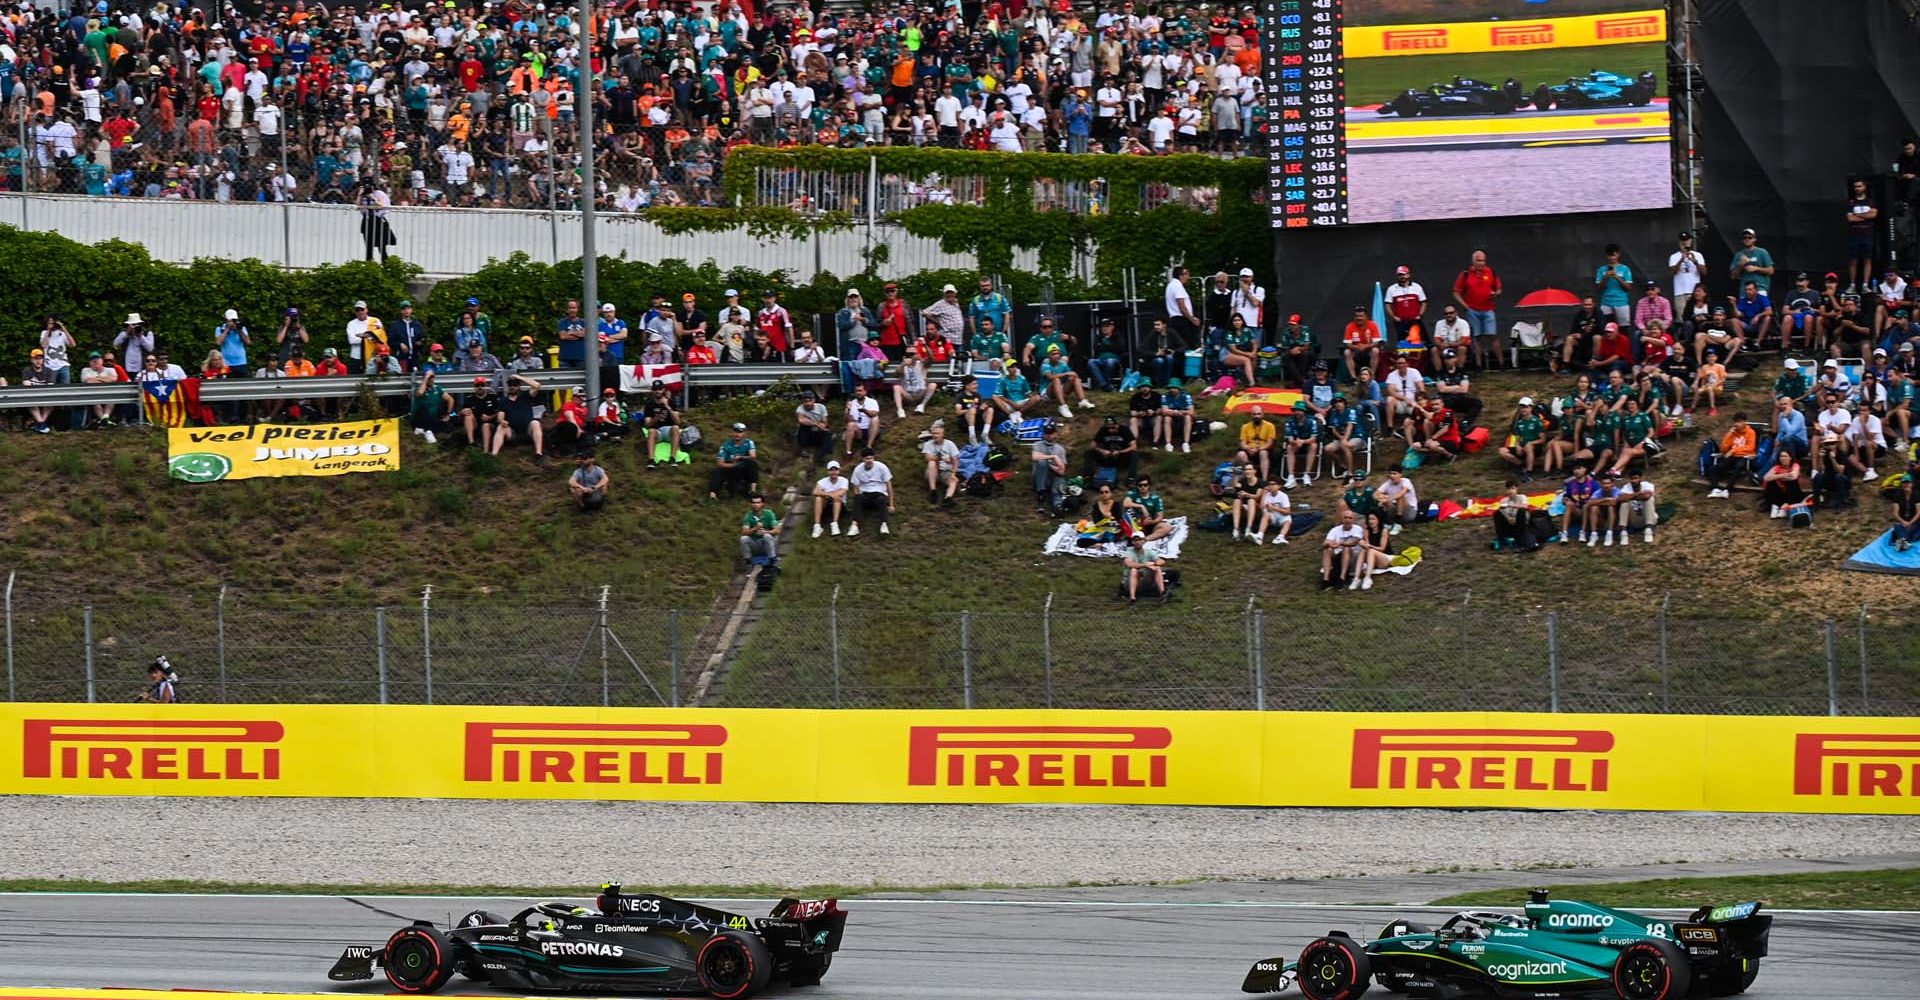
x=1508, y=35
x=1039, y=756
x=1856, y=764
x=595, y=752
x=1522, y=760
x=1414, y=39
x=168, y=750
x=1638, y=26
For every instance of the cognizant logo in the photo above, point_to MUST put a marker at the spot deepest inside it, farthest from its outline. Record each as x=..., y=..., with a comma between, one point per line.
x=1526, y=970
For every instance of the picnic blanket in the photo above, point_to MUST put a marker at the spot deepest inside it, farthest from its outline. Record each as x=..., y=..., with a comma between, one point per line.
x=1478, y=507
x=1065, y=541
x=1273, y=400
x=1880, y=556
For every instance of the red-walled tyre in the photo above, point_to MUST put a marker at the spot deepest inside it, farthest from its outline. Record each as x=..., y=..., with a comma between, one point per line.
x=1652, y=970
x=734, y=965
x=1333, y=968
x=417, y=960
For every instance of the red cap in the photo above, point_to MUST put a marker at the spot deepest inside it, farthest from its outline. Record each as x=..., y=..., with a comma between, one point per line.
x=1403, y=269
x=482, y=380
x=435, y=347
x=383, y=349
x=1613, y=328
x=1295, y=318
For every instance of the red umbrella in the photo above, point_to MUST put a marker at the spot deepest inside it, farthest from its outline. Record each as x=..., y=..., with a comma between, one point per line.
x=1548, y=297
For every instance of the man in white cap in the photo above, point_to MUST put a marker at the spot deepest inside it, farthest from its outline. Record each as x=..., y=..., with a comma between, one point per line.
x=613, y=335
x=945, y=318
x=232, y=340
x=134, y=342
x=365, y=335
x=830, y=499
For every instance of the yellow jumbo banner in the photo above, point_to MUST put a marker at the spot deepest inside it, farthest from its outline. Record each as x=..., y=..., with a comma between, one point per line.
x=1455, y=37
x=1450, y=760
x=212, y=454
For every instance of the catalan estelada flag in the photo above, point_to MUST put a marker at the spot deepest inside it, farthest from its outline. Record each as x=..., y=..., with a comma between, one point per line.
x=170, y=402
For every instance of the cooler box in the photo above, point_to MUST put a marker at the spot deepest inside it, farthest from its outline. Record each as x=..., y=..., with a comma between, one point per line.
x=1196, y=362
x=989, y=385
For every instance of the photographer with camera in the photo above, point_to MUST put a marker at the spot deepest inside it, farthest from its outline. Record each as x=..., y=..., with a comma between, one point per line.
x=161, y=679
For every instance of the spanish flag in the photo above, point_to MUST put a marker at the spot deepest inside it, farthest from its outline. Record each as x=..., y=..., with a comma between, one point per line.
x=170, y=402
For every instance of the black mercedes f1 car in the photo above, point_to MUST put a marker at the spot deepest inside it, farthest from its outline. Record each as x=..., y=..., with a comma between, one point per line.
x=633, y=942
x=1461, y=97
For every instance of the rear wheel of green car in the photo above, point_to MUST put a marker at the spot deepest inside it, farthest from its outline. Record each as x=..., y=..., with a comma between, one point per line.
x=1652, y=970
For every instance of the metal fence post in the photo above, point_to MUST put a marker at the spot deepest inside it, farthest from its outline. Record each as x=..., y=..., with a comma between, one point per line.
x=86, y=624
x=1046, y=647
x=673, y=655
x=1246, y=640
x=966, y=659
x=1864, y=710
x=10, y=575
x=833, y=640
x=1553, y=661
x=220, y=638
x=1666, y=666
x=426, y=637
x=606, y=694
x=1259, y=660
x=1833, y=669
x=380, y=648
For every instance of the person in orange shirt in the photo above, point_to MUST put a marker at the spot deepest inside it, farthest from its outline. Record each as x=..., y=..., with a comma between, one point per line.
x=1735, y=459
x=1362, y=338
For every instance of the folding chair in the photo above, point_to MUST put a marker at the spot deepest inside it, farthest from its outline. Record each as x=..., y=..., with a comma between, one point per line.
x=1365, y=430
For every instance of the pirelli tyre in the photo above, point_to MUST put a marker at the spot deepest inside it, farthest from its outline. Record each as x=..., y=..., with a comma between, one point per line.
x=417, y=959
x=1733, y=978
x=734, y=965
x=1395, y=980
x=1333, y=968
x=1653, y=969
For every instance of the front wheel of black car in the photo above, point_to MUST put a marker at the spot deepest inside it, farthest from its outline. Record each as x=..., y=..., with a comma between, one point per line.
x=1333, y=968
x=734, y=965
x=1652, y=970
x=417, y=960
x=1732, y=979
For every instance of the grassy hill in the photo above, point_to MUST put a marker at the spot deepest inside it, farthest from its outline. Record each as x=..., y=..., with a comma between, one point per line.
x=92, y=519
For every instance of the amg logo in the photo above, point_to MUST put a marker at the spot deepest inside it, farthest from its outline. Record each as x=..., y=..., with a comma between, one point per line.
x=1592, y=921
x=592, y=948
x=1507, y=35
x=1414, y=39
x=1039, y=756
x=594, y=753
x=1521, y=760
x=1609, y=29
x=1863, y=764
x=169, y=750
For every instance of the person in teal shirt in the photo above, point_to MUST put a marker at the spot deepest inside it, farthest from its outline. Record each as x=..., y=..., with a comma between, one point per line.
x=987, y=344
x=1614, y=282
x=95, y=177
x=1016, y=396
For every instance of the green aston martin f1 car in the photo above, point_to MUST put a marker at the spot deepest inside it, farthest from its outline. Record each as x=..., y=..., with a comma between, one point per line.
x=1559, y=948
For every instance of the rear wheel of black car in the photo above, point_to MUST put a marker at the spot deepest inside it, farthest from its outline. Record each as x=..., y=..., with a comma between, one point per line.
x=1652, y=970
x=417, y=960
x=1333, y=968
x=1734, y=978
x=734, y=965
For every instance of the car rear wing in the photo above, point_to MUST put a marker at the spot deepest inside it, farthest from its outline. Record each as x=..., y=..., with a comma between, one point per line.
x=1742, y=923
x=355, y=963
x=823, y=920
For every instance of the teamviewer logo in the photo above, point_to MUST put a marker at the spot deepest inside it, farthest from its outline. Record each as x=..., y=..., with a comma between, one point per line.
x=1860, y=764
x=595, y=753
x=1039, y=756
x=1522, y=760
x=168, y=750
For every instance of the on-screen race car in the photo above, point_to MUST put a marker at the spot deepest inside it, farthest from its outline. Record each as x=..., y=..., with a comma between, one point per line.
x=634, y=941
x=1598, y=89
x=1461, y=97
x=1559, y=948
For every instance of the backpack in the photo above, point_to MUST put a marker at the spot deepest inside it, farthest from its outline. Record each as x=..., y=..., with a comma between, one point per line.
x=1835, y=490
x=1800, y=515
x=998, y=459
x=1065, y=504
x=689, y=436
x=982, y=485
x=1709, y=457
x=1762, y=457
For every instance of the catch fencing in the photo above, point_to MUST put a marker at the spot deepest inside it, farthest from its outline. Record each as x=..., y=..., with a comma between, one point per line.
x=1624, y=655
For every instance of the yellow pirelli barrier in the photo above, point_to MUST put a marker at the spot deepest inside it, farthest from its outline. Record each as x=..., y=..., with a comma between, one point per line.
x=1456, y=37
x=1453, y=760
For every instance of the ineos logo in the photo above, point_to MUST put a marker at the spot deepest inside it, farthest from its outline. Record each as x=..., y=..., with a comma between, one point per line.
x=1590, y=921
x=640, y=905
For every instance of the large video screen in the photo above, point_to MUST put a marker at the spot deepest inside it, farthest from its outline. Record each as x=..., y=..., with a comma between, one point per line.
x=1397, y=110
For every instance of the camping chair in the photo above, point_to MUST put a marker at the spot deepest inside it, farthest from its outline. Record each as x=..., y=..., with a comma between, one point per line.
x=1365, y=429
x=1530, y=338
x=1853, y=368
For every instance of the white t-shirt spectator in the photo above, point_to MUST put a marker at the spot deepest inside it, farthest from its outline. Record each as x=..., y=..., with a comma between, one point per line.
x=1341, y=533
x=1017, y=96
x=1405, y=383
x=1176, y=295
x=946, y=453
x=1835, y=421
x=458, y=162
x=833, y=483
x=1006, y=136
x=1685, y=280
x=1107, y=101
x=861, y=413
x=946, y=111
x=871, y=479
x=1451, y=332
x=1250, y=304
x=1391, y=492
x=1159, y=131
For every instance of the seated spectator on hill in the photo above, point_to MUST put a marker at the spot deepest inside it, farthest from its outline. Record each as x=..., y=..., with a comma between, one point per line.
x=1525, y=445
x=1395, y=500
x=1144, y=568
x=517, y=419
x=863, y=419
x=1362, y=342
x=760, y=533
x=1792, y=383
x=1104, y=362
x=1900, y=402
x=1577, y=494
x=1375, y=550
x=1341, y=435
x=1513, y=521
x=1865, y=443
x=661, y=423
x=1906, y=511
x=1789, y=427
x=1340, y=553
x=1149, y=510
x=1601, y=508
x=1369, y=400
x=1049, y=467
x=973, y=412
x=1258, y=436
x=1717, y=333
x=569, y=429
x=943, y=465
x=1358, y=496
x=1435, y=431
x=1300, y=439
x=812, y=434
x=588, y=484
x=988, y=344
x=830, y=500
x=1833, y=445
x=1752, y=320
x=1016, y=395
x=1613, y=352
x=1243, y=498
x=1298, y=350
x=1114, y=448
x=1062, y=381
x=1456, y=389
x=1800, y=313
x=1243, y=349
x=609, y=415
x=1175, y=423
x=1404, y=389
x=1320, y=391
x=1450, y=335
x=1652, y=308
x=1782, y=484
x=1276, y=514
x=914, y=388
x=1733, y=459
x=1636, y=436
x=736, y=466
x=1849, y=333
x=482, y=417
x=1583, y=334
x=1636, y=509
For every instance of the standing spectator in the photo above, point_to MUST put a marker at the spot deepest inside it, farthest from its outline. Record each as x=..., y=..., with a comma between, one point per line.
x=570, y=329
x=1181, y=322
x=872, y=492
x=291, y=338
x=135, y=341
x=612, y=332
x=376, y=230
x=830, y=500
x=1250, y=301
x=1686, y=265
x=852, y=323
x=992, y=306
x=365, y=333
x=36, y=375
x=589, y=483
x=1406, y=305
x=1476, y=290
x=945, y=319
x=1613, y=286
x=774, y=320
x=1751, y=262
x=232, y=340
x=1362, y=340
x=1861, y=213
x=736, y=465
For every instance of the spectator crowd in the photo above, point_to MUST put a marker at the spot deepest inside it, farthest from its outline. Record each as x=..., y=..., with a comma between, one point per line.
x=475, y=104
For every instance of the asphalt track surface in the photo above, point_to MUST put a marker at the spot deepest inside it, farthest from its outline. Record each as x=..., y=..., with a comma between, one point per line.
x=1438, y=183
x=1068, y=947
